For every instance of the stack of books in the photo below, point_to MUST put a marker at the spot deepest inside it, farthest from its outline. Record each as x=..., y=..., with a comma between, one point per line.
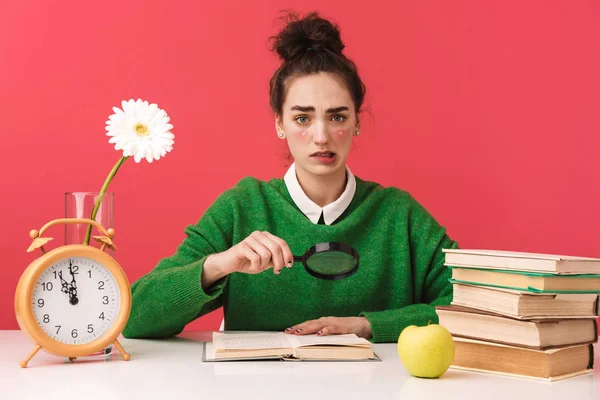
x=523, y=314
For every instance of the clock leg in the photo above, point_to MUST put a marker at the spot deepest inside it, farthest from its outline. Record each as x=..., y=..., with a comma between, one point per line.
x=126, y=356
x=30, y=356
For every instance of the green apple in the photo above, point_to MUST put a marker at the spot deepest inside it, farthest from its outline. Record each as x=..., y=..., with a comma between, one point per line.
x=426, y=351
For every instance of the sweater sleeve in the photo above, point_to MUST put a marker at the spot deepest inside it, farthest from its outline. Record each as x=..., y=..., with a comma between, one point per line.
x=431, y=286
x=171, y=295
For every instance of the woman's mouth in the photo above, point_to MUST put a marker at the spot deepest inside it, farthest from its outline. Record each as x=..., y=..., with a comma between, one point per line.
x=324, y=157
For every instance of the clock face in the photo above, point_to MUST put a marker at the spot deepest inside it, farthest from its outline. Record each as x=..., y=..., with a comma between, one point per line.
x=76, y=300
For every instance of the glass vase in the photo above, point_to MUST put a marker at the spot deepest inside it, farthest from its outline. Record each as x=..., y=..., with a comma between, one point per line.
x=81, y=205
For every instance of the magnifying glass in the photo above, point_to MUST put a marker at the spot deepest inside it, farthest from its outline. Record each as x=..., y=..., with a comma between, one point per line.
x=330, y=260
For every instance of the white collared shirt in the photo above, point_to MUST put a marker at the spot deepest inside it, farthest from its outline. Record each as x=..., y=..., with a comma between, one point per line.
x=331, y=211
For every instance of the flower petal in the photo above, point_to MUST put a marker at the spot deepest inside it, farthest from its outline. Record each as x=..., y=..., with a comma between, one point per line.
x=120, y=128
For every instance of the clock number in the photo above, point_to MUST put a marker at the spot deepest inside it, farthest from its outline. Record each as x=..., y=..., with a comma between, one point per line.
x=74, y=333
x=104, y=299
x=57, y=328
x=101, y=316
x=55, y=276
x=90, y=273
x=75, y=269
x=46, y=318
x=47, y=286
x=100, y=285
x=90, y=328
x=40, y=303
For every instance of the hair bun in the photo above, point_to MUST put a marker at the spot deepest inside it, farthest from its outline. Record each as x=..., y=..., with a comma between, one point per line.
x=309, y=33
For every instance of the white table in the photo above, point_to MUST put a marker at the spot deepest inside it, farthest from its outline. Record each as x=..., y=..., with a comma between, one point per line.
x=173, y=369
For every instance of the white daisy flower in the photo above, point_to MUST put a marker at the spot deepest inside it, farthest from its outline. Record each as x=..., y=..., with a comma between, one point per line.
x=141, y=130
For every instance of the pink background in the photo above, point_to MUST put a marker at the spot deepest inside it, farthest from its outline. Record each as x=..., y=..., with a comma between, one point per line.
x=486, y=111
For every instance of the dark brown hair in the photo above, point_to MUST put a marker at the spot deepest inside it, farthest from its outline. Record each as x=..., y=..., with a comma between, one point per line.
x=308, y=46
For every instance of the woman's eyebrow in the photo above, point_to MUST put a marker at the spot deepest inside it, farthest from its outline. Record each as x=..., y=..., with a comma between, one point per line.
x=337, y=109
x=312, y=109
x=303, y=108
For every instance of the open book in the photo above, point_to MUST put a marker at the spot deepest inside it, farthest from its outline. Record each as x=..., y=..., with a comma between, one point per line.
x=230, y=346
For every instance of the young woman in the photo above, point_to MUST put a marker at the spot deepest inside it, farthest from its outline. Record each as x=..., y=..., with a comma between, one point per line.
x=239, y=255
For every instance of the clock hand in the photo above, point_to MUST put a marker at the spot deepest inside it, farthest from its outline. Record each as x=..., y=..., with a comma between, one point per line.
x=64, y=284
x=71, y=271
x=72, y=286
x=68, y=288
x=73, y=295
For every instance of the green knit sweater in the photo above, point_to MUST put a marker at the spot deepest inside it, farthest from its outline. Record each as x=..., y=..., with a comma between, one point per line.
x=400, y=279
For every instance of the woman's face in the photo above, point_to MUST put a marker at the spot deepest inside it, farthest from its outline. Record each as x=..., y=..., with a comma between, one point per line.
x=318, y=120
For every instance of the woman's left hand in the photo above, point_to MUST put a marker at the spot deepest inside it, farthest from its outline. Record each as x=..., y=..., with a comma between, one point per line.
x=333, y=326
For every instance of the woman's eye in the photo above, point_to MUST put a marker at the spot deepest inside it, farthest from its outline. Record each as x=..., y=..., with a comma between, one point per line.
x=338, y=118
x=302, y=119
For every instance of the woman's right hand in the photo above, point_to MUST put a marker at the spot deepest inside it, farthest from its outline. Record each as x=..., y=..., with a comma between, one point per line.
x=257, y=252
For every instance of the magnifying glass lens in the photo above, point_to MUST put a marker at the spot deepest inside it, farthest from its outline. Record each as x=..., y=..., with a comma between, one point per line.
x=331, y=262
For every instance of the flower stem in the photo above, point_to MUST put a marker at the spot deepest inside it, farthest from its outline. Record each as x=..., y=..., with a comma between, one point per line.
x=109, y=178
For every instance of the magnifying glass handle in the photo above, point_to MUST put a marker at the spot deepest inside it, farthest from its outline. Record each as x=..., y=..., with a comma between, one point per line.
x=297, y=259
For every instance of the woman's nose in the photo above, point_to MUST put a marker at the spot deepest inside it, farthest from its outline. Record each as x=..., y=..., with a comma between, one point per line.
x=320, y=134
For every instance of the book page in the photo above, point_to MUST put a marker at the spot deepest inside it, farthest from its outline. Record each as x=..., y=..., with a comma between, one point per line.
x=245, y=341
x=209, y=351
x=332, y=340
